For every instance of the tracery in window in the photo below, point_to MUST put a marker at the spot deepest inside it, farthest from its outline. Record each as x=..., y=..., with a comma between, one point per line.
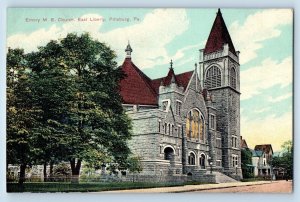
x=213, y=77
x=232, y=78
x=195, y=125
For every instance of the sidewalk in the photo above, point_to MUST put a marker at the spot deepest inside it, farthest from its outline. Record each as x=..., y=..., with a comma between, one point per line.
x=190, y=188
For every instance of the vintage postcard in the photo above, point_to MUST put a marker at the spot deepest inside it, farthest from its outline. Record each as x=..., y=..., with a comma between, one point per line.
x=149, y=100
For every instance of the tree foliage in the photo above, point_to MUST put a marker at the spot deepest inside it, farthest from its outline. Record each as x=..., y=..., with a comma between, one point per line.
x=246, y=161
x=22, y=114
x=286, y=159
x=73, y=85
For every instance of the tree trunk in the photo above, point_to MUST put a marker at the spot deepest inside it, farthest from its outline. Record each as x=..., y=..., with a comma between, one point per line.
x=22, y=174
x=75, y=170
x=45, y=172
x=51, y=171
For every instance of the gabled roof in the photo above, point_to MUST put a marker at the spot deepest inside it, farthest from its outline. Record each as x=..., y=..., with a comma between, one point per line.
x=180, y=79
x=218, y=36
x=244, y=144
x=136, y=87
x=264, y=147
x=171, y=75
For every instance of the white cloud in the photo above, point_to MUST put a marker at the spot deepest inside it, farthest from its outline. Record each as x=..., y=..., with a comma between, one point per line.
x=259, y=111
x=30, y=42
x=148, y=38
x=257, y=28
x=269, y=73
x=270, y=130
x=280, y=98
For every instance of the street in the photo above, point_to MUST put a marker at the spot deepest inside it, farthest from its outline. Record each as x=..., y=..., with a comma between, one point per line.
x=274, y=187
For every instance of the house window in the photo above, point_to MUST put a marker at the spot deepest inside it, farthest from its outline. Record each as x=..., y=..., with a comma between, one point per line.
x=195, y=125
x=218, y=163
x=234, y=160
x=232, y=78
x=165, y=105
x=169, y=129
x=172, y=129
x=159, y=129
x=178, y=108
x=191, y=159
x=212, y=121
x=218, y=142
x=202, y=161
x=166, y=127
x=234, y=142
x=213, y=77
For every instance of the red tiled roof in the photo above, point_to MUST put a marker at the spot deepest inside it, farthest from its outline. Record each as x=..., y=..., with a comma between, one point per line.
x=218, y=36
x=136, y=87
x=264, y=147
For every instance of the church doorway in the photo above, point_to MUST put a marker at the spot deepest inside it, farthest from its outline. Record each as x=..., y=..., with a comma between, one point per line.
x=169, y=152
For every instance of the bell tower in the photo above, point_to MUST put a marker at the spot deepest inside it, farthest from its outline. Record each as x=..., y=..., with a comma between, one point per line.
x=219, y=72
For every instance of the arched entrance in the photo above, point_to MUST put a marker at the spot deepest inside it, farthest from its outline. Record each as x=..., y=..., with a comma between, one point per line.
x=169, y=153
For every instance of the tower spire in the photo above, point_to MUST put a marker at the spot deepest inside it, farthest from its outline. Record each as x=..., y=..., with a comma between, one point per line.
x=219, y=36
x=171, y=64
x=128, y=50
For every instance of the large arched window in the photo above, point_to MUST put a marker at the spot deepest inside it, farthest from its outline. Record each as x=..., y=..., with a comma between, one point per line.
x=195, y=125
x=213, y=77
x=191, y=159
x=232, y=78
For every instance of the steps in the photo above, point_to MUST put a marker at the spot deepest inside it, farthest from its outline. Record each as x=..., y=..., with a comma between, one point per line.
x=222, y=178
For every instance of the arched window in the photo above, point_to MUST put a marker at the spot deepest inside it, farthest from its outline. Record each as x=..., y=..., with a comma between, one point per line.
x=232, y=78
x=213, y=77
x=169, y=152
x=191, y=159
x=202, y=161
x=195, y=125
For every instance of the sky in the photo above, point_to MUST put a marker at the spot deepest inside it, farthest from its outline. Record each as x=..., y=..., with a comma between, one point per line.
x=263, y=36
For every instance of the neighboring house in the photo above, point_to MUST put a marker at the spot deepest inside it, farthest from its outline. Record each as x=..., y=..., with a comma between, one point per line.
x=261, y=158
x=244, y=144
x=185, y=124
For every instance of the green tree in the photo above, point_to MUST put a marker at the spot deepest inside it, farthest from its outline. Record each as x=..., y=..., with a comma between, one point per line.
x=135, y=165
x=286, y=160
x=22, y=115
x=76, y=86
x=53, y=92
x=246, y=161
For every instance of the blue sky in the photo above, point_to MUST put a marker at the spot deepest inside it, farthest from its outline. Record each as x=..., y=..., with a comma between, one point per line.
x=263, y=36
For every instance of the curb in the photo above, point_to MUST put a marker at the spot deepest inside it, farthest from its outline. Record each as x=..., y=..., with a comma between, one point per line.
x=221, y=187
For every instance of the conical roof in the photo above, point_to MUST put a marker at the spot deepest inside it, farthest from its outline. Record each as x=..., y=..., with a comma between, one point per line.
x=218, y=36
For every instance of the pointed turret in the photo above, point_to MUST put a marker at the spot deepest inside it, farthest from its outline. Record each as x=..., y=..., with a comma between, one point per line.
x=136, y=87
x=219, y=36
x=171, y=77
x=128, y=50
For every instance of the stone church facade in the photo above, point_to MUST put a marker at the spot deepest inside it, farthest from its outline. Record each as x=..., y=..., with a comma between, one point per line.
x=188, y=124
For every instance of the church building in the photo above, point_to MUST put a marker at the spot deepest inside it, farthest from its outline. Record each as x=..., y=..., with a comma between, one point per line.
x=188, y=124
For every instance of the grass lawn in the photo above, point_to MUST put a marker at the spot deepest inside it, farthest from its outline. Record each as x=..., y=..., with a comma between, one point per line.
x=85, y=187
